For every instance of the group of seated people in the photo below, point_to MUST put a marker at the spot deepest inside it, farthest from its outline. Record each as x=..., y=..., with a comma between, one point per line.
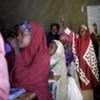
x=30, y=55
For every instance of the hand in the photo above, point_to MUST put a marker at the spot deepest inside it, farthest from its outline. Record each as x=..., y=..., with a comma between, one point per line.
x=14, y=44
x=62, y=20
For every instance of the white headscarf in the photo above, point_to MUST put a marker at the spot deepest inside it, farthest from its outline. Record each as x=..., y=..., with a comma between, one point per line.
x=83, y=26
x=58, y=54
x=60, y=48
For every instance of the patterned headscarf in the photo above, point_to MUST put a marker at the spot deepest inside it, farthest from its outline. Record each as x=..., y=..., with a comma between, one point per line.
x=26, y=27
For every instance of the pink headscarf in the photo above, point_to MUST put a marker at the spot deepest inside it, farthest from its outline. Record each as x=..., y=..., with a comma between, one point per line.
x=64, y=37
x=4, y=81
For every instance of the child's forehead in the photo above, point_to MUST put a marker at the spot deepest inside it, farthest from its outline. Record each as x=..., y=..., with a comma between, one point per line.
x=53, y=42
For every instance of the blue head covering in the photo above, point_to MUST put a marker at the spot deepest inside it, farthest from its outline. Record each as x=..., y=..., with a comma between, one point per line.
x=26, y=27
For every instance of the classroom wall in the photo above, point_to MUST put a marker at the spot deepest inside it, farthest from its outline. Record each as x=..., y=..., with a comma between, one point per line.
x=46, y=12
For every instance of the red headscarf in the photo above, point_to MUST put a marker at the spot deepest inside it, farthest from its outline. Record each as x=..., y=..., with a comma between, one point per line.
x=31, y=67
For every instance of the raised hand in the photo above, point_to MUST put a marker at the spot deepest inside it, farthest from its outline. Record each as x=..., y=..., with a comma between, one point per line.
x=14, y=44
x=61, y=20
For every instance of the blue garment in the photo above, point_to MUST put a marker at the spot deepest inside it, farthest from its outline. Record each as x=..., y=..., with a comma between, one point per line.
x=69, y=56
x=51, y=37
x=7, y=48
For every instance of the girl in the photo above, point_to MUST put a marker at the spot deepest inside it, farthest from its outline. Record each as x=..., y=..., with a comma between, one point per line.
x=58, y=64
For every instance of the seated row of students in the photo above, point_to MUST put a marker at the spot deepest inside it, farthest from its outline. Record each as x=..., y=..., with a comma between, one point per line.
x=30, y=60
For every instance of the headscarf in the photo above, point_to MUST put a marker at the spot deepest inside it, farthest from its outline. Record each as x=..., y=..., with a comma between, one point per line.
x=4, y=80
x=26, y=27
x=60, y=48
x=2, y=51
x=34, y=49
x=31, y=66
x=64, y=37
x=68, y=52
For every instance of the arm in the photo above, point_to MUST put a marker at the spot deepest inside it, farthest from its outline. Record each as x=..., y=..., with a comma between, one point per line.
x=66, y=29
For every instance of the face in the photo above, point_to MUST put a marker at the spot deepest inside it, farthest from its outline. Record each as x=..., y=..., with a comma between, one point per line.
x=23, y=39
x=54, y=30
x=65, y=43
x=82, y=31
x=95, y=28
x=52, y=47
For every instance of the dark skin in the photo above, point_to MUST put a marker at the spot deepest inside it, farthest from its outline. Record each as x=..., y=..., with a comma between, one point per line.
x=14, y=44
x=82, y=31
x=54, y=30
x=65, y=43
x=52, y=47
x=62, y=21
x=95, y=28
x=22, y=41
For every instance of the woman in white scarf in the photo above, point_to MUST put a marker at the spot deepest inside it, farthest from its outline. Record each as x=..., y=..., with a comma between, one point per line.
x=58, y=65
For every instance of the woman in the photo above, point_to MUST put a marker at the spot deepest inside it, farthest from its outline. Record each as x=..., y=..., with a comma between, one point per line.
x=4, y=80
x=58, y=65
x=88, y=74
x=87, y=58
x=53, y=34
x=31, y=65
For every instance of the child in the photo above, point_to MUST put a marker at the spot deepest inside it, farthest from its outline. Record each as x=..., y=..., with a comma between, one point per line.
x=58, y=65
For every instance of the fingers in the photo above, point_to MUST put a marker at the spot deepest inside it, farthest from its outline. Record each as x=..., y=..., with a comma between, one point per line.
x=62, y=19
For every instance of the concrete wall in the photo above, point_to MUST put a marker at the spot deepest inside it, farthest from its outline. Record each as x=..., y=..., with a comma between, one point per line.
x=46, y=11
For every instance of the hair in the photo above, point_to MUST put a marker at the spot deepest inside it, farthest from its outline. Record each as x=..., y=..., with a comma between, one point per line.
x=7, y=31
x=55, y=24
x=94, y=24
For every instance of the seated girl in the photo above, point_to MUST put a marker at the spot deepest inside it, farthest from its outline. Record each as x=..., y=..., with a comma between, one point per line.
x=31, y=66
x=4, y=81
x=58, y=65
